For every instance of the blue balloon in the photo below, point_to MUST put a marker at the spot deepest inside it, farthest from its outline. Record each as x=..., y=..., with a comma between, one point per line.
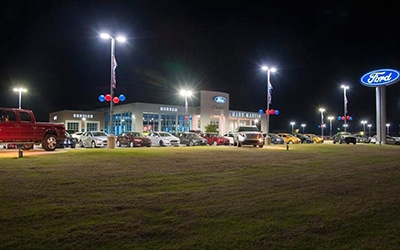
x=276, y=112
x=121, y=98
x=260, y=111
x=351, y=118
x=102, y=98
x=339, y=118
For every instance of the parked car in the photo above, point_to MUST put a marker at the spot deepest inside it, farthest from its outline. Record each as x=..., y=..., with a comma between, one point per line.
x=275, y=139
x=215, y=139
x=163, y=139
x=93, y=139
x=344, y=137
x=316, y=138
x=229, y=136
x=304, y=138
x=76, y=136
x=68, y=141
x=133, y=139
x=362, y=138
x=289, y=138
x=392, y=140
x=191, y=139
x=248, y=135
x=199, y=132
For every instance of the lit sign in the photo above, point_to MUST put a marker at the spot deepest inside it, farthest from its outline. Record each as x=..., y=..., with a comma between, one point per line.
x=219, y=99
x=380, y=77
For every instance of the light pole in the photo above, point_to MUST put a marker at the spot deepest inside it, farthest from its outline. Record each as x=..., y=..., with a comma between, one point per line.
x=322, y=110
x=345, y=87
x=345, y=126
x=369, y=129
x=303, y=126
x=20, y=90
x=330, y=118
x=186, y=93
x=387, y=128
x=111, y=137
x=269, y=97
x=363, y=122
x=292, y=123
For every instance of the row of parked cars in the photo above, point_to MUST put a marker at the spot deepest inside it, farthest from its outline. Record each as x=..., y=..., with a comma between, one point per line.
x=94, y=139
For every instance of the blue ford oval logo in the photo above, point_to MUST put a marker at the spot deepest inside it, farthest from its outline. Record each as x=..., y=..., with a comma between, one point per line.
x=380, y=77
x=219, y=99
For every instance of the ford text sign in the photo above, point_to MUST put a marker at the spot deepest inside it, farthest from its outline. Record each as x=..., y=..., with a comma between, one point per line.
x=219, y=99
x=380, y=77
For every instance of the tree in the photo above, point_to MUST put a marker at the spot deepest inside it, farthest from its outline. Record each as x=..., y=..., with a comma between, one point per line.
x=211, y=128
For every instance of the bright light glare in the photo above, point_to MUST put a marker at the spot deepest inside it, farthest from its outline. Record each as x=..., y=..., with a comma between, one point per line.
x=344, y=87
x=265, y=68
x=105, y=36
x=322, y=110
x=121, y=39
x=20, y=90
x=184, y=92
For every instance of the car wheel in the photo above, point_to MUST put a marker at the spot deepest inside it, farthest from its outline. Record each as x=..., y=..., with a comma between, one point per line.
x=161, y=144
x=261, y=145
x=49, y=143
x=131, y=144
x=239, y=144
x=93, y=144
x=290, y=142
x=118, y=144
x=215, y=143
x=73, y=145
x=81, y=144
x=191, y=143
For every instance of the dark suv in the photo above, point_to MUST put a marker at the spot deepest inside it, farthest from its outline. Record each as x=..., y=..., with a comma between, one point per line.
x=248, y=135
x=344, y=137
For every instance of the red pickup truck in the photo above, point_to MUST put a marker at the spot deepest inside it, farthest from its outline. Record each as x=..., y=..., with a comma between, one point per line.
x=19, y=126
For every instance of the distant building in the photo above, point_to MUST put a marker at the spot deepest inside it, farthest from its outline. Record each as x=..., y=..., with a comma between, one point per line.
x=137, y=116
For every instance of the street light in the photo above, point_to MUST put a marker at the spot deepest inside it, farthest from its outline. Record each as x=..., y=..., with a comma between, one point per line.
x=186, y=93
x=303, y=126
x=363, y=122
x=369, y=129
x=111, y=137
x=20, y=90
x=292, y=123
x=387, y=128
x=269, y=97
x=330, y=118
x=322, y=110
x=345, y=87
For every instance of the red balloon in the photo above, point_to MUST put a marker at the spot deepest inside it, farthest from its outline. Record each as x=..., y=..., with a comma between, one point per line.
x=347, y=117
x=271, y=112
x=343, y=118
x=108, y=97
x=116, y=100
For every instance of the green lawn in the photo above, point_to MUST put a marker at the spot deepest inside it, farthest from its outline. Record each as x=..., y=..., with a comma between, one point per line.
x=308, y=197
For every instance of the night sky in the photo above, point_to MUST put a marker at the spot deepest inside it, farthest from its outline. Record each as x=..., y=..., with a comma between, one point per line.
x=54, y=50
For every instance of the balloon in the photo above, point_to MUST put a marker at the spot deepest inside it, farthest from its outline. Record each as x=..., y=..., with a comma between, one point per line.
x=101, y=98
x=271, y=111
x=276, y=112
x=115, y=100
x=260, y=111
x=339, y=118
x=351, y=118
x=121, y=98
x=108, y=97
x=343, y=118
x=347, y=117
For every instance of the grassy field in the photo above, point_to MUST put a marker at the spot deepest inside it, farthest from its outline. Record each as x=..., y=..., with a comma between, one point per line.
x=308, y=197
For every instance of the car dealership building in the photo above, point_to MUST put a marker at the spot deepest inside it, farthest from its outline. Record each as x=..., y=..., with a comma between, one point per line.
x=137, y=116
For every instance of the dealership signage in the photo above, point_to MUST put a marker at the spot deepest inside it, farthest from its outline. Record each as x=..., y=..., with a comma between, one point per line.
x=219, y=99
x=380, y=77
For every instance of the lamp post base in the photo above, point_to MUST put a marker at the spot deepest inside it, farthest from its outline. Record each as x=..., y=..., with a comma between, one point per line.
x=267, y=140
x=111, y=141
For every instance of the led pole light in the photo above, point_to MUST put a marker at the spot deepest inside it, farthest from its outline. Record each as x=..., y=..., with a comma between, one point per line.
x=269, y=93
x=20, y=90
x=111, y=137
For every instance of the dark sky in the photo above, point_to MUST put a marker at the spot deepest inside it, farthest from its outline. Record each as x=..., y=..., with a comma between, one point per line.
x=53, y=49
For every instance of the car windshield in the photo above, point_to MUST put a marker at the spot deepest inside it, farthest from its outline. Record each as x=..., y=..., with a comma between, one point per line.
x=99, y=134
x=164, y=134
x=255, y=129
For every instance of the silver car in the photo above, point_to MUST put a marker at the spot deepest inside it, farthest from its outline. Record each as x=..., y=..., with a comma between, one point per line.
x=93, y=139
x=163, y=139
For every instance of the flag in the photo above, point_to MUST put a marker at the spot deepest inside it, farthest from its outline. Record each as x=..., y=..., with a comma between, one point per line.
x=114, y=66
x=345, y=104
x=269, y=92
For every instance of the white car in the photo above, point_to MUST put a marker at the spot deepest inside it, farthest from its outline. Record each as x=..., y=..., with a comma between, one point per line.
x=230, y=136
x=93, y=139
x=163, y=139
x=76, y=136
